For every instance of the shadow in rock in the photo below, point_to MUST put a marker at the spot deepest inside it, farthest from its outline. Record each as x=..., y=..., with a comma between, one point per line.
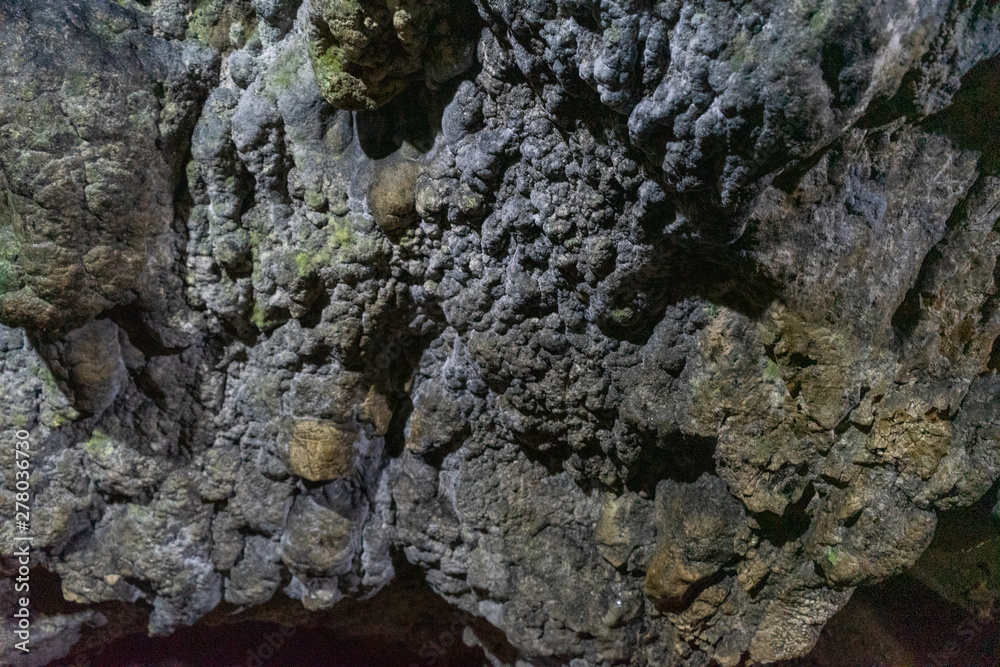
x=942, y=613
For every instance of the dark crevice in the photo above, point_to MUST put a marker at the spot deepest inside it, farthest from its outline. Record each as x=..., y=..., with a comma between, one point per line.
x=143, y=497
x=800, y=360
x=314, y=315
x=742, y=286
x=250, y=531
x=789, y=526
x=994, y=361
x=142, y=585
x=436, y=456
x=395, y=437
x=973, y=118
x=140, y=334
x=312, y=487
x=183, y=205
x=788, y=180
x=907, y=315
x=44, y=590
x=692, y=593
x=885, y=110
x=834, y=481
x=547, y=454
x=845, y=423
x=413, y=117
x=680, y=457
x=725, y=276
x=832, y=63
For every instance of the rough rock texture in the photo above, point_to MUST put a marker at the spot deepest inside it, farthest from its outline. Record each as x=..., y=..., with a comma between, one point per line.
x=647, y=332
x=366, y=53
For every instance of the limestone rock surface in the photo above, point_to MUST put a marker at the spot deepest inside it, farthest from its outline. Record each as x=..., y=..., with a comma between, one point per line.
x=644, y=332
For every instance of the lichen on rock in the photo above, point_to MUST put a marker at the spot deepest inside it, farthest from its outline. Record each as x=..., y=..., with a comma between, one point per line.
x=366, y=53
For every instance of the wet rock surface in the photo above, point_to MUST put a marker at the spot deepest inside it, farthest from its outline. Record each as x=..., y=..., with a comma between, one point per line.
x=642, y=333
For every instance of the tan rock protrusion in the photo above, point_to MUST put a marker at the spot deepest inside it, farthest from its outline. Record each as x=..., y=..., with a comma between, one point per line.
x=670, y=576
x=697, y=525
x=392, y=194
x=376, y=410
x=320, y=450
x=626, y=525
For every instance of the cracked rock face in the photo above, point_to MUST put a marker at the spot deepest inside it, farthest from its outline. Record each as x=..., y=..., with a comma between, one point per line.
x=646, y=332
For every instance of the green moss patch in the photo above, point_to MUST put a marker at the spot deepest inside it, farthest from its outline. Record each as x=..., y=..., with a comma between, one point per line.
x=210, y=21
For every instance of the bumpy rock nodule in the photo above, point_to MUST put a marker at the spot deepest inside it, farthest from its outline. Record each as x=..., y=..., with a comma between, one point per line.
x=647, y=331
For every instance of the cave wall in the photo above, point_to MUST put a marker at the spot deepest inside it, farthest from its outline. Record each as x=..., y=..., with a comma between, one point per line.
x=645, y=331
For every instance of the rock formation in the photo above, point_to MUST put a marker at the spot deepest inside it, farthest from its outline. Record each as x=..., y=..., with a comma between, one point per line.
x=646, y=332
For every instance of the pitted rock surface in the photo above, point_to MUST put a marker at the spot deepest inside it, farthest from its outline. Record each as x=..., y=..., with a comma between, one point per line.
x=646, y=331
